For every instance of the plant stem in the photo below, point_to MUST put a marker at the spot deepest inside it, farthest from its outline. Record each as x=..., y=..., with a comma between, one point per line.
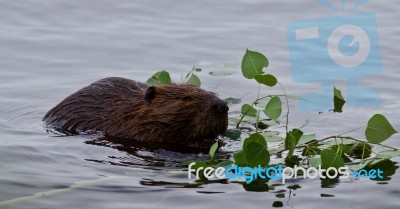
x=287, y=105
x=340, y=137
x=255, y=101
x=277, y=95
x=194, y=67
x=359, y=140
x=258, y=117
x=354, y=139
x=351, y=131
x=363, y=152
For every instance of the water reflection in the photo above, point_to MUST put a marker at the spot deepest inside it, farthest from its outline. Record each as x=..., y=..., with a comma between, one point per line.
x=140, y=155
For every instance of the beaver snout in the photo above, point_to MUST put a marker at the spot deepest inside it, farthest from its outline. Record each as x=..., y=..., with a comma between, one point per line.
x=219, y=106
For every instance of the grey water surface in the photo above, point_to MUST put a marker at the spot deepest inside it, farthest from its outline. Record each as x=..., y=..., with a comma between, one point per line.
x=51, y=48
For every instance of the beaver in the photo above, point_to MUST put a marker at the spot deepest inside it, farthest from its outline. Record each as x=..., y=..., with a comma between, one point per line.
x=173, y=115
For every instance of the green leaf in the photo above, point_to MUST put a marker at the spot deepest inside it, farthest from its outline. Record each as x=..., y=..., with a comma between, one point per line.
x=261, y=125
x=378, y=129
x=255, y=150
x=256, y=154
x=198, y=164
x=360, y=166
x=239, y=158
x=337, y=93
x=253, y=63
x=330, y=158
x=311, y=149
x=314, y=162
x=232, y=101
x=383, y=164
x=389, y=154
x=292, y=139
x=233, y=134
x=255, y=138
x=269, y=122
x=338, y=100
x=249, y=110
x=248, y=119
x=212, y=151
x=306, y=138
x=224, y=164
x=274, y=108
x=292, y=161
x=359, y=150
x=274, y=139
x=272, y=136
x=338, y=148
x=191, y=78
x=341, y=149
x=387, y=167
x=276, y=150
x=268, y=80
x=159, y=78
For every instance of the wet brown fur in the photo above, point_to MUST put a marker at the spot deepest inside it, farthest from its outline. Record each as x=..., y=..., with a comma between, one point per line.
x=178, y=115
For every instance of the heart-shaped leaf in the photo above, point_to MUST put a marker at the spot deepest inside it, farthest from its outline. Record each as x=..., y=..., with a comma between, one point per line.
x=292, y=139
x=256, y=154
x=249, y=110
x=255, y=138
x=268, y=80
x=191, y=78
x=274, y=108
x=379, y=129
x=233, y=134
x=329, y=158
x=232, y=101
x=159, y=78
x=253, y=63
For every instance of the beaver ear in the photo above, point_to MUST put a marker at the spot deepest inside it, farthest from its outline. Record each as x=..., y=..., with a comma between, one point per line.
x=150, y=94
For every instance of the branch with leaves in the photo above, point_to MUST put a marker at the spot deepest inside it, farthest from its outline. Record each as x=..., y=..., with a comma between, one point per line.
x=297, y=147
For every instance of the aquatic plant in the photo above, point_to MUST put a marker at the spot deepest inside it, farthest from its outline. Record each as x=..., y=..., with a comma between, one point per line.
x=293, y=146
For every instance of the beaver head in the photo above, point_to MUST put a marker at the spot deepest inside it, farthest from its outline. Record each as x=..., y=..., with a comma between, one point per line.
x=180, y=115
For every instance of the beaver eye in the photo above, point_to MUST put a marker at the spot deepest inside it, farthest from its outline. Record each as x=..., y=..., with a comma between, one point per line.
x=187, y=98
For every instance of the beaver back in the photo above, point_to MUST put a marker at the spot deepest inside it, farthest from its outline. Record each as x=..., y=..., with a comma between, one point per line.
x=176, y=114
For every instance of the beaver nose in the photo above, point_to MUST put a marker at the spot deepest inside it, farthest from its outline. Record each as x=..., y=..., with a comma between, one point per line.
x=220, y=107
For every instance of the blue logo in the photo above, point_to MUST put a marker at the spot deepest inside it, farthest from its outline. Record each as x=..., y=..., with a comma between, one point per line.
x=342, y=47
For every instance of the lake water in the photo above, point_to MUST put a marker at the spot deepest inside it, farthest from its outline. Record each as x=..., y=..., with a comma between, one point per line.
x=49, y=49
